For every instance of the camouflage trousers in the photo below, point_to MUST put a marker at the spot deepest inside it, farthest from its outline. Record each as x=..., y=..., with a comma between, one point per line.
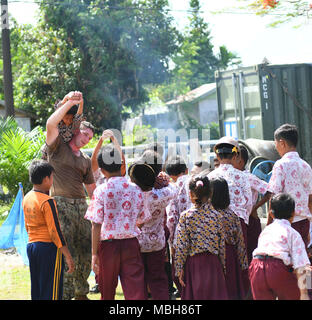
x=77, y=234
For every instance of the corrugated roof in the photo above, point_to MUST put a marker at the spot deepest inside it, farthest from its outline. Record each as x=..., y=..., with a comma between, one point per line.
x=194, y=94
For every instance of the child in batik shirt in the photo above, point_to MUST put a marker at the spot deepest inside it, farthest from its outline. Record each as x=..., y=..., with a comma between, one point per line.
x=70, y=124
x=200, y=247
x=236, y=257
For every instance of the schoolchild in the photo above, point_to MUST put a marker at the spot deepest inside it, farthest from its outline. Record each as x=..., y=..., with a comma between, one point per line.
x=152, y=238
x=280, y=263
x=293, y=175
x=46, y=244
x=236, y=258
x=116, y=207
x=200, y=247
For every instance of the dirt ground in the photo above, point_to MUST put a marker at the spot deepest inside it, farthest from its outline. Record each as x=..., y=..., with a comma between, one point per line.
x=10, y=258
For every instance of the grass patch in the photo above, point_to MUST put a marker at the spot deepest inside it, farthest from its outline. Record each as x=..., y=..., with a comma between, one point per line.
x=15, y=285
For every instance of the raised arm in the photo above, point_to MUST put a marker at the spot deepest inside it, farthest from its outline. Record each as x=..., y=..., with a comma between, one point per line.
x=58, y=115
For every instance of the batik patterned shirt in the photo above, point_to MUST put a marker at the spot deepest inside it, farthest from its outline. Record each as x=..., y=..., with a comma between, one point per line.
x=180, y=203
x=239, y=189
x=280, y=240
x=199, y=230
x=118, y=205
x=234, y=235
x=293, y=175
x=152, y=236
x=257, y=186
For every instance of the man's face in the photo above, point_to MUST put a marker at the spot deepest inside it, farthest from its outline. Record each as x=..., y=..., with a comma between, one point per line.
x=83, y=137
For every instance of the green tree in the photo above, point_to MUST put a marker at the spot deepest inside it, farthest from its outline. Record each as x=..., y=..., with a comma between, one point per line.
x=124, y=45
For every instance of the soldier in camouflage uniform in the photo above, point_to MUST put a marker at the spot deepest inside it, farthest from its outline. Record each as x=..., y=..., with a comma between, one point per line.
x=72, y=173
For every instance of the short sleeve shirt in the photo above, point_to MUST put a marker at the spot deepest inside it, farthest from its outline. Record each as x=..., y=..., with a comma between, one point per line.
x=118, y=205
x=71, y=172
x=293, y=175
x=239, y=189
x=280, y=240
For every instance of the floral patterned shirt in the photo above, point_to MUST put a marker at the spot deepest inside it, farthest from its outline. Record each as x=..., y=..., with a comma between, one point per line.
x=180, y=203
x=234, y=235
x=199, y=230
x=118, y=205
x=293, y=175
x=239, y=189
x=257, y=186
x=281, y=241
x=152, y=236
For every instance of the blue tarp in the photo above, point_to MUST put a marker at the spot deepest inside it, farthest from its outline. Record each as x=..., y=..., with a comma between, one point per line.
x=13, y=232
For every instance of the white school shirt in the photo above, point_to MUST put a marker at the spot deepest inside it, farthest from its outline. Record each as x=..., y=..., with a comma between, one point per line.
x=179, y=203
x=257, y=186
x=293, y=175
x=239, y=189
x=118, y=205
x=281, y=241
x=152, y=236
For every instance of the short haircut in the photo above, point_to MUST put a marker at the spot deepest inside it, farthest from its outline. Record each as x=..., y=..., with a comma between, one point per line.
x=244, y=154
x=282, y=206
x=202, y=164
x=224, y=151
x=38, y=170
x=287, y=132
x=111, y=159
x=200, y=187
x=142, y=175
x=175, y=166
x=153, y=159
x=157, y=147
x=220, y=198
x=88, y=125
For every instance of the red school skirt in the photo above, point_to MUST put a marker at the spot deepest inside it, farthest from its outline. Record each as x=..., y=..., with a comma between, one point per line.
x=204, y=278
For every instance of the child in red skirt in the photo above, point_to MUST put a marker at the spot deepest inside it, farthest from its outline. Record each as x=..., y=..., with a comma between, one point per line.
x=280, y=250
x=116, y=208
x=236, y=257
x=200, y=247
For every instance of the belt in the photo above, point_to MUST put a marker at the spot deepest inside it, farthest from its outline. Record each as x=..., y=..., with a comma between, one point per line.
x=264, y=257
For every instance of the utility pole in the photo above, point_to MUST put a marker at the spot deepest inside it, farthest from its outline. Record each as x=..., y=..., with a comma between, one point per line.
x=7, y=68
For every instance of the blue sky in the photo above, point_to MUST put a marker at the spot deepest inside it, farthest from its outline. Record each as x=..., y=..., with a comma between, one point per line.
x=245, y=34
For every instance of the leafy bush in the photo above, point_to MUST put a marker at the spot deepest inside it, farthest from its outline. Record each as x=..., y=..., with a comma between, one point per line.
x=17, y=149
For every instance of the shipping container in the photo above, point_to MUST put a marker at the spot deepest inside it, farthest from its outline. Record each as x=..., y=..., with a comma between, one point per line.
x=254, y=101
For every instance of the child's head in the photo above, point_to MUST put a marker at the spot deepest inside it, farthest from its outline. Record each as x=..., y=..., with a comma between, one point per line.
x=242, y=159
x=282, y=206
x=199, y=166
x=175, y=167
x=220, y=198
x=286, y=138
x=41, y=173
x=109, y=161
x=69, y=116
x=200, y=190
x=142, y=175
x=157, y=147
x=153, y=159
x=227, y=150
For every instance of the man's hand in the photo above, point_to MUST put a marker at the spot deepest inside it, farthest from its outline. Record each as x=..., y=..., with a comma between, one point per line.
x=95, y=264
x=108, y=134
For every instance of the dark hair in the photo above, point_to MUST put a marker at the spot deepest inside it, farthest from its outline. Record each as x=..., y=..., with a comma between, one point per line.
x=287, y=132
x=38, y=170
x=175, y=166
x=73, y=110
x=142, y=175
x=282, y=206
x=155, y=147
x=220, y=198
x=153, y=159
x=111, y=159
x=224, y=151
x=87, y=125
x=244, y=154
x=200, y=190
